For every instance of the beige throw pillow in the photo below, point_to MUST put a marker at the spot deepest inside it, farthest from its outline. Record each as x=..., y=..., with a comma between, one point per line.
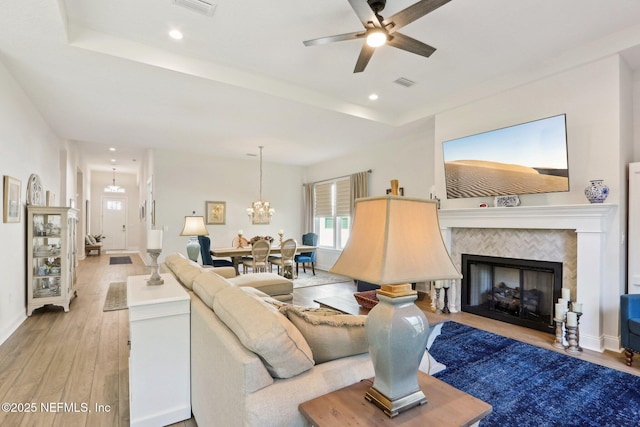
x=330, y=334
x=264, y=331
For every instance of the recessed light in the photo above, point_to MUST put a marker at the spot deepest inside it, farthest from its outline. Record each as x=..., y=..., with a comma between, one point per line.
x=373, y=97
x=113, y=160
x=112, y=149
x=176, y=34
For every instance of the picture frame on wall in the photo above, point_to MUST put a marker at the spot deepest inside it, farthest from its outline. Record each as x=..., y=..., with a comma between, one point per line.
x=216, y=212
x=11, y=201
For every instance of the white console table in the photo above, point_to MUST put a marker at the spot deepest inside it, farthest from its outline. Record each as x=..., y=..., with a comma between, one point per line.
x=159, y=360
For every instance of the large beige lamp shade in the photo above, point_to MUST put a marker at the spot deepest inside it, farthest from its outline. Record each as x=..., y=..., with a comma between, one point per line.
x=394, y=242
x=194, y=227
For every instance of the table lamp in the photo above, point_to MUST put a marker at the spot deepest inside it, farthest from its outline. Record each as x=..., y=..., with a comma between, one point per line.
x=194, y=227
x=154, y=248
x=396, y=241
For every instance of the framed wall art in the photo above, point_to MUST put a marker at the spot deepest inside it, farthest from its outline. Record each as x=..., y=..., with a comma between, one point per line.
x=12, y=203
x=216, y=212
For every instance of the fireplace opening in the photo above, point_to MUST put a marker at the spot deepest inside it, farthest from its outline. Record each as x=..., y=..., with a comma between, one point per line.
x=517, y=291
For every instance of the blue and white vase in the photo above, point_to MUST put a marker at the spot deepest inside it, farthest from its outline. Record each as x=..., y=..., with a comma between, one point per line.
x=596, y=192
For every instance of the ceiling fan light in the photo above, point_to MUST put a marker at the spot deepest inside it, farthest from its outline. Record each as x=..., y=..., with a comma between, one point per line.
x=376, y=38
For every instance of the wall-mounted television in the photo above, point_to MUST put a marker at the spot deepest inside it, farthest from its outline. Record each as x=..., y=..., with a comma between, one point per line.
x=527, y=158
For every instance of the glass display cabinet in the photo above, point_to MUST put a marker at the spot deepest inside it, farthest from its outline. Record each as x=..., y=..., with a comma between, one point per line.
x=51, y=256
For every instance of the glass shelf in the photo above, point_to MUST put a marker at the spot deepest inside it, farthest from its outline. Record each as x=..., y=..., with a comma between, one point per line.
x=45, y=287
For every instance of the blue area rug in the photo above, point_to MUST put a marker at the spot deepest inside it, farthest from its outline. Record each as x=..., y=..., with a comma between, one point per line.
x=531, y=386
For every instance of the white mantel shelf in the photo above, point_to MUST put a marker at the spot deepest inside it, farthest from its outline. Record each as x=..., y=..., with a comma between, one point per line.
x=583, y=218
x=591, y=223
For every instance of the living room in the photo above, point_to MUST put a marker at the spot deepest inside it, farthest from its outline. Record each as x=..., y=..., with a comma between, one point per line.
x=600, y=94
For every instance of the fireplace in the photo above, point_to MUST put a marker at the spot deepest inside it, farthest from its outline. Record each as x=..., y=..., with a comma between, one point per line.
x=517, y=291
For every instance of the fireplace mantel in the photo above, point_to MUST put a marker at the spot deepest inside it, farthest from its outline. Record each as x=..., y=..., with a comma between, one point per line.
x=591, y=223
x=582, y=218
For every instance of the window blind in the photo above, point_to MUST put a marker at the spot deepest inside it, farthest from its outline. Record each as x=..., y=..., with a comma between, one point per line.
x=343, y=197
x=322, y=203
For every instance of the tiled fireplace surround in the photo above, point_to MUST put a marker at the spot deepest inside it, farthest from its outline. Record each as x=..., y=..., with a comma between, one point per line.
x=572, y=234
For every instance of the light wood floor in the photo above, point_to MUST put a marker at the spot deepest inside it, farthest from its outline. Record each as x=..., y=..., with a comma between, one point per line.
x=81, y=357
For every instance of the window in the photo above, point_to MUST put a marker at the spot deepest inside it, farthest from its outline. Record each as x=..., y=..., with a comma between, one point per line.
x=332, y=212
x=114, y=205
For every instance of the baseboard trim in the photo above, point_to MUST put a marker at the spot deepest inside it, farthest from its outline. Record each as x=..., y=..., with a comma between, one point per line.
x=5, y=333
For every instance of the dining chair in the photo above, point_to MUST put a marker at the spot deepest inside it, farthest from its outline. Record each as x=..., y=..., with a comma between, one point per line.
x=205, y=253
x=308, y=239
x=259, y=257
x=286, y=259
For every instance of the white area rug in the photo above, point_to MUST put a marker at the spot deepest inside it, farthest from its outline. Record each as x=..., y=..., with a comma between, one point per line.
x=321, y=278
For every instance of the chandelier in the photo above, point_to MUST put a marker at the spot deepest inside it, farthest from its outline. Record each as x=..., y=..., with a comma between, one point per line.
x=260, y=211
x=113, y=188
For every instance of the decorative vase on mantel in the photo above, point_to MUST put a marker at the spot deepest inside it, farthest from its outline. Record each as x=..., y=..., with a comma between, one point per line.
x=596, y=191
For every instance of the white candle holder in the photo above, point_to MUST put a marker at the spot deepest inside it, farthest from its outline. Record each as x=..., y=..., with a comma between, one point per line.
x=155, y=278
x=438, y=311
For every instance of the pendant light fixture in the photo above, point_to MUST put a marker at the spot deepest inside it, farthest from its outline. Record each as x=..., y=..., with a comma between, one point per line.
x=113, y=188
x=260, y=211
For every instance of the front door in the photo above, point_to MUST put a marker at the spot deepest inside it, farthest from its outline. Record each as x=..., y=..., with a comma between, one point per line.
x=114, y=223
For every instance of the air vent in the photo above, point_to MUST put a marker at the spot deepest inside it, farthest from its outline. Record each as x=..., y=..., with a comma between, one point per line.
x=402, y=81
x=200, y=6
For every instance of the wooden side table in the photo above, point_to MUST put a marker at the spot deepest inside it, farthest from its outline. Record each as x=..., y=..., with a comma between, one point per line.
x=159, y=359
x=446, y=406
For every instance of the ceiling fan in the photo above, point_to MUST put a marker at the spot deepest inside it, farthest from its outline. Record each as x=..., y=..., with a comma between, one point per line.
x=380, y=31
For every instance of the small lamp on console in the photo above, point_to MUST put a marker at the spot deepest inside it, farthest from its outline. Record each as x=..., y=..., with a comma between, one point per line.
x=396, y=241
x=154, y=247
x=194, y=227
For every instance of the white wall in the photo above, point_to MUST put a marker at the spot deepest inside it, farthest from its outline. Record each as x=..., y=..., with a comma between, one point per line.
x=407, y=157
x=28, y=146
x=596, y=99
x=183, y=182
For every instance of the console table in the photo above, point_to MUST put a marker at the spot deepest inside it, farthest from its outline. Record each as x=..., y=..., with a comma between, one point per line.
x=446, y=406
x=159, y=359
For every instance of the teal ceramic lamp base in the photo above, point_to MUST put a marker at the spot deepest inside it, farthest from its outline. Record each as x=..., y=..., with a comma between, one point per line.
x=193, y=248
x=397, y=331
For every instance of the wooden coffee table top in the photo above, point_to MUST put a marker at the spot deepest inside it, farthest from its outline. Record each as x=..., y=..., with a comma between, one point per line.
x=346, y=303
x=446, y=406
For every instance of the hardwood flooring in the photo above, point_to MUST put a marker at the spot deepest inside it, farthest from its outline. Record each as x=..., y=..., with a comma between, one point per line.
x=80, y=358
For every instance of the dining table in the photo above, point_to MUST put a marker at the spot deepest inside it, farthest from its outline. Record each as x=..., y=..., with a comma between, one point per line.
x=236, y=253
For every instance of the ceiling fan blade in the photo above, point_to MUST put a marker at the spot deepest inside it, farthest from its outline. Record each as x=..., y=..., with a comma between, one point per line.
x=336, y=38
x=411, y=13
x=411, y=45
x=363, y=59
x=365, y=13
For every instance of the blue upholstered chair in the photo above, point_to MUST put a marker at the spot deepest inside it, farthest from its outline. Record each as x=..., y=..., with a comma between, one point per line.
x=630, y=325
x=308, y=239
x=205, y=248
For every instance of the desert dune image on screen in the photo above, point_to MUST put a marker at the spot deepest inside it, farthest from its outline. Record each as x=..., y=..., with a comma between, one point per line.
x=523, y=159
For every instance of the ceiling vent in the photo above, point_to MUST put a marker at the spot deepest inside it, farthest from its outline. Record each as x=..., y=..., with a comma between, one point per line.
x=202, y=7
x=402, y=81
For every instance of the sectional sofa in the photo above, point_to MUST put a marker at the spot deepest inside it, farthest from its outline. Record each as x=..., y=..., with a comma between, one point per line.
x=255, y=358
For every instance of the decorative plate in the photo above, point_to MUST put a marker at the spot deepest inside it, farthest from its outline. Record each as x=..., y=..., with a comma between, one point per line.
x=506, y=201
x=35, y=194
